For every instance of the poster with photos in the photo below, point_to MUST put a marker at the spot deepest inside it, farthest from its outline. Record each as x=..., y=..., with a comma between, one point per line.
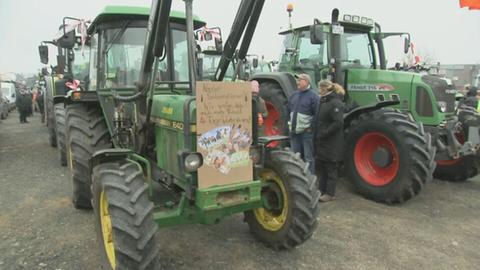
x=224, y=132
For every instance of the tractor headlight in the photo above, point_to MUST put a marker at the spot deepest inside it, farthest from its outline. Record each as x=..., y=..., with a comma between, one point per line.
x=192, y=161
x=442, y=106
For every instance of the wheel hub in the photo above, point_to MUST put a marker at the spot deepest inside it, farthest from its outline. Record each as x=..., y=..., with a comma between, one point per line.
x=376, y=159
x=273, y=215
x=382, y=157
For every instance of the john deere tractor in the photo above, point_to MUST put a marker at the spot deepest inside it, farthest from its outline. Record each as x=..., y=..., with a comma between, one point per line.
x=389, y=152
x=135, y=142
x=72, y=64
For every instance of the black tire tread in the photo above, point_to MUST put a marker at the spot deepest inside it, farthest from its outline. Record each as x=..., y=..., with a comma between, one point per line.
x=87, y=133
x=302, y=188
x=60, y=129
x=131, y=213
x=420, y=149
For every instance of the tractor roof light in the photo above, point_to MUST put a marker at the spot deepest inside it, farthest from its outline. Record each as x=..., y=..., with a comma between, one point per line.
x=290, y=7
x=347, y=18
x=355, y=18
x=364, y=20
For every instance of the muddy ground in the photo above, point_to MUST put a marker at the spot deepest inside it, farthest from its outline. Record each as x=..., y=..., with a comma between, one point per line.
x=39, y=228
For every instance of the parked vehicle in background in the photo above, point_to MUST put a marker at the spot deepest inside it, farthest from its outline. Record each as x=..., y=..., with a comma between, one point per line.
x=3, y=107
x=8, y=91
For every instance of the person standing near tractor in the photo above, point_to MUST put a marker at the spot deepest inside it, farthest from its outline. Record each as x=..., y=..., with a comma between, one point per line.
x=24, y=105
x=329, y=136
x=41, y=104
x=470, y=97
x=302, y=108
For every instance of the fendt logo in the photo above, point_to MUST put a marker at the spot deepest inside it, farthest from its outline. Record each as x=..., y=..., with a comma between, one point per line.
x=371, y=87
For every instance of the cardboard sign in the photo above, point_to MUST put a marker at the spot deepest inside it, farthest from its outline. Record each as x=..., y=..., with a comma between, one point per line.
x=224, y=132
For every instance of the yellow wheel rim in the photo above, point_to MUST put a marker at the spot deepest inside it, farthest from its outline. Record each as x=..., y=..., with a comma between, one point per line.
x=70, y=158
x=107, y=229
x=273, y=219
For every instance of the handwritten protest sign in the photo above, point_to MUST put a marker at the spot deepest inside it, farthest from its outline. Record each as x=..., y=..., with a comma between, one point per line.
x=224, y=132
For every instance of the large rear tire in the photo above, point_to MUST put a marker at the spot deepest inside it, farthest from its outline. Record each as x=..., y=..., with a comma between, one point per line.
x=87, y=133
x=291, y=196
x=60, y=133
x=124, y=217
x=388, y=157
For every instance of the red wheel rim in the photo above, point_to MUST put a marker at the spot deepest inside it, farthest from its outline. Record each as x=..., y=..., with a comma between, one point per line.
x=367, y=168
x=449, y=162
x=271, y=123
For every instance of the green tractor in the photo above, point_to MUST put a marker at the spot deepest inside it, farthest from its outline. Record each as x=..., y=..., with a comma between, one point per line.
x=72, y=62
x=135, y=142
x=393, y=120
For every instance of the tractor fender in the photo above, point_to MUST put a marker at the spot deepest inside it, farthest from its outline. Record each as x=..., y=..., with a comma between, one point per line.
x=58, y=99
x=81, y=97
x=286, y=81
x=107, y=155
x=354, y=113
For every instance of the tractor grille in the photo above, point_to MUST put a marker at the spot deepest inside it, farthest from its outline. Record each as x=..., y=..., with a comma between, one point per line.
x=441, y=91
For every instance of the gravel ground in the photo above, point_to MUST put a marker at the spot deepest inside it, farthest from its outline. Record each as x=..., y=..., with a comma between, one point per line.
x=39, y=228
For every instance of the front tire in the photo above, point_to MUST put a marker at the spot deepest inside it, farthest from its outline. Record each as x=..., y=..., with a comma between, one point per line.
x=124, y=217
x=87, y=133
x=457, y=170
x=388, y=157
x=289, y=217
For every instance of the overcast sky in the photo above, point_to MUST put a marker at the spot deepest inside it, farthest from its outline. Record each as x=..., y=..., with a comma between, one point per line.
x=439, y=28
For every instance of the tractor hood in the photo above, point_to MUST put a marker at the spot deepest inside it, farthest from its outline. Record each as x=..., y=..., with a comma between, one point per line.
x=169, y=110
x=443, y=93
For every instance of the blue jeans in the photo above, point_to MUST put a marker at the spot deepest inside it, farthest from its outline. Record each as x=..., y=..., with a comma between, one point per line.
x=303, y=143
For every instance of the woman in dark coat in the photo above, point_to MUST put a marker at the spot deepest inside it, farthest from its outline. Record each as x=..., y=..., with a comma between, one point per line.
x=329, y=136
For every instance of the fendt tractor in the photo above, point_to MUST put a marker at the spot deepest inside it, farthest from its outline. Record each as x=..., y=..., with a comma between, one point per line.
x=136, y=149
x=394, y=121
x=71, y=59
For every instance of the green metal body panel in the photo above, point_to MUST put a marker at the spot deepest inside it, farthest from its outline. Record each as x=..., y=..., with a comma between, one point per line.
x=212, y=204
x=364, y=86
x=168, y=115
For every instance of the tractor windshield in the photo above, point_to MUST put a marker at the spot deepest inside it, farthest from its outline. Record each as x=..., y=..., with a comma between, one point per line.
x=356, y=50
x=80, y=64
x=310, y=55
x=210, y=64
x=123, y=55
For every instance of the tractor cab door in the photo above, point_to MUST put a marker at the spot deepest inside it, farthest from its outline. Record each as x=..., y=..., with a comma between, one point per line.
x=399, y=45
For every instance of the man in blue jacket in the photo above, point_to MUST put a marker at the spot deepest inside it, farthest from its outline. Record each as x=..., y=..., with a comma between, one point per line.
x=302, y=108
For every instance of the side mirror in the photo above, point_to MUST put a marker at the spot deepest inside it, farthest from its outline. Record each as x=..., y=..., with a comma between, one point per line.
x=43, y=52
x=255, y=62
x=406, y=45
x=317, y=34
